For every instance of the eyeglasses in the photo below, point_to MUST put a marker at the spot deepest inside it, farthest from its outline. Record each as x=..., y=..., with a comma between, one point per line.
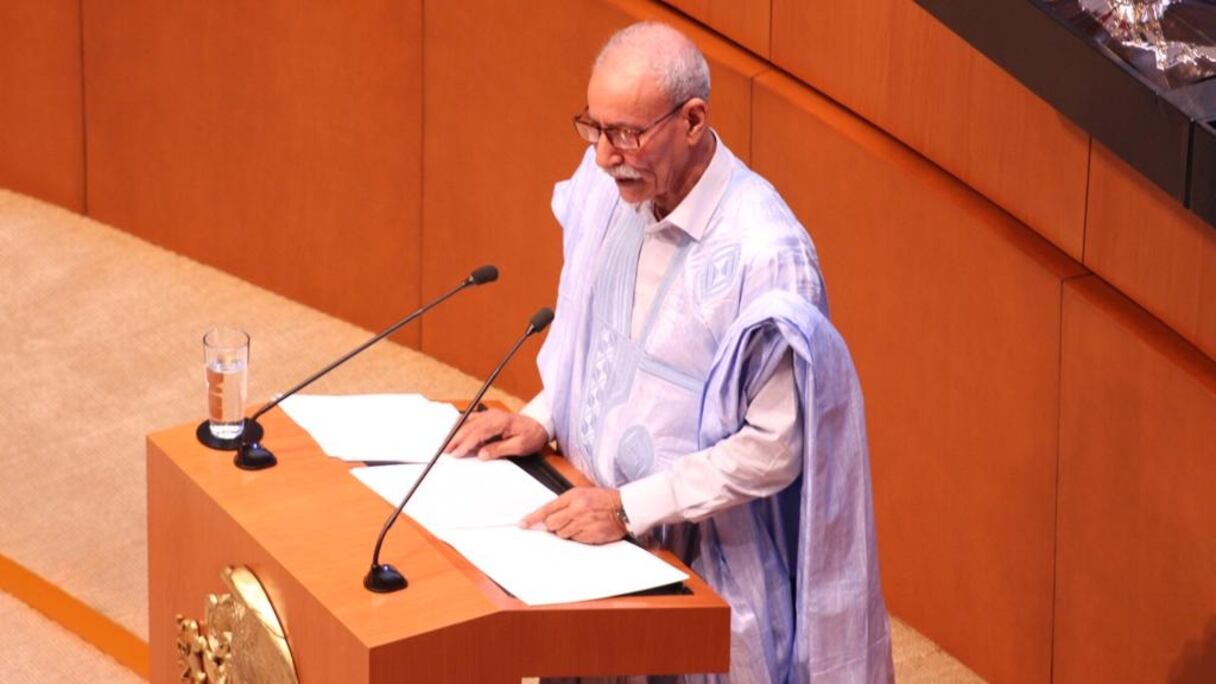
x=620, y=137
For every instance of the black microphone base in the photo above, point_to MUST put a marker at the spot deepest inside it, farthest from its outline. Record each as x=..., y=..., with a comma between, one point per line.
x=252, y=432
x=384, y=579
x=253, y=456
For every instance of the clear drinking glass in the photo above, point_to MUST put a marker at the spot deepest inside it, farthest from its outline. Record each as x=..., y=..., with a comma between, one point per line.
x=226, y=357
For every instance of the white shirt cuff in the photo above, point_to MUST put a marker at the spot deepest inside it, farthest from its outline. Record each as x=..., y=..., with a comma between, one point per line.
x=538, y=410
x=648, y=502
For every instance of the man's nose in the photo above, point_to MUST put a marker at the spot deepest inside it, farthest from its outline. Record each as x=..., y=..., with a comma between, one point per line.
x=606, y=155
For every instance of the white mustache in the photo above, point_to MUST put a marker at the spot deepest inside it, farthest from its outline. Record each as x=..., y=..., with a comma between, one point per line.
x=622, y=172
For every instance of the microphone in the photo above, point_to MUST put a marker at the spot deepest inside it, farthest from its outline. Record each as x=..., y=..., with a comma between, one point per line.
x=482, y=275
x=384, y=578
x=251, y=455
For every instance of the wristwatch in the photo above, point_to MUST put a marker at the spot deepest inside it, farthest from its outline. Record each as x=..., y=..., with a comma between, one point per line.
x=622, y=517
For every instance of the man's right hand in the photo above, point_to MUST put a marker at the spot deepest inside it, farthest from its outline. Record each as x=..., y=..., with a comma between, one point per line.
x=495, y=433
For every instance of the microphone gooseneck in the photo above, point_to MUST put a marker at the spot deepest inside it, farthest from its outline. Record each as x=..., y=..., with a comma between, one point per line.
x=384, y=578
x=251, y=455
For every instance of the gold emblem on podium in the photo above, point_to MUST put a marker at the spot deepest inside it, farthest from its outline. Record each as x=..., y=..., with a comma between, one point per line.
x=243, y=640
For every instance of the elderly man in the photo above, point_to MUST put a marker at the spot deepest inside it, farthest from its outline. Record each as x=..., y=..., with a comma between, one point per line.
x=692, y=374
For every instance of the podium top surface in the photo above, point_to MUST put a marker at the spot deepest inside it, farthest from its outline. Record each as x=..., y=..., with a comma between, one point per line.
x=319, y=524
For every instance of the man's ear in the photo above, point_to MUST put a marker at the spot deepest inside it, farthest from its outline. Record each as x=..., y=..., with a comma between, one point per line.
x=696, y=113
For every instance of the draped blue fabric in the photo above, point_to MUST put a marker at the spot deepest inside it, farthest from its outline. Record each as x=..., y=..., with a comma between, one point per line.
x=799, y=569
x=817, y=534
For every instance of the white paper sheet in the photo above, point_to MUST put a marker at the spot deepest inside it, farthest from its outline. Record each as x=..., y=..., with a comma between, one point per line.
x=541, y=568
x=460, y=492
x=373, y=427
x=476, y=507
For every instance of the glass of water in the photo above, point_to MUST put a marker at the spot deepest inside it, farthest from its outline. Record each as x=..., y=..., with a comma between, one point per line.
x=226, y=356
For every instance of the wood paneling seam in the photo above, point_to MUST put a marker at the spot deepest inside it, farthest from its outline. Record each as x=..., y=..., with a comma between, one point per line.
x=769, y=57
x=420, y=240
x=84, y=119
x=1055, y=525
x=1089, y=167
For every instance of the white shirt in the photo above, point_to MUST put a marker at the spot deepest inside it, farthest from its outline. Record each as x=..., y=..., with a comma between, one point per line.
x=765, y=455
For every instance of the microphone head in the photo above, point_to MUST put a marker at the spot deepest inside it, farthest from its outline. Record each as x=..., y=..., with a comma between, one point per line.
x=483, y=275
x=541, y=320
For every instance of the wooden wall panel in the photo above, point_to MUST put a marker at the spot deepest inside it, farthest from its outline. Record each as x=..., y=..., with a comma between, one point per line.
x=744, y=21
x=41, y=123
x=1135, y=594
x=277, y=140
x=952, y=311
x=895, y=65
x=1146, y=244
x=502, y=84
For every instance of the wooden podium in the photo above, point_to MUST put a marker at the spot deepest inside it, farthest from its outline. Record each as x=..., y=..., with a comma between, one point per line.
x=306, y=529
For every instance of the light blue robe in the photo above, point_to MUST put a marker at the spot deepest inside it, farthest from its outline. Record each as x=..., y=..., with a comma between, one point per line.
x=799, y=569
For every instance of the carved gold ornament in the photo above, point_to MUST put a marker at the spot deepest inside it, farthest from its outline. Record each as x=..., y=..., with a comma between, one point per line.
x=244, y=641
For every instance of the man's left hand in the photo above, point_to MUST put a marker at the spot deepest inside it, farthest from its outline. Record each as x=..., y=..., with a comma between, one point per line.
x=584, y=514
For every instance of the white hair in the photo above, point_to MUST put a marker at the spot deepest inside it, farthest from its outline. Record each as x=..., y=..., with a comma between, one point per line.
x=677, y=64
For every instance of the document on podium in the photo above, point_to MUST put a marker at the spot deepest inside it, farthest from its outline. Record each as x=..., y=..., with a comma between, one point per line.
x=476, y=506
x=373, y=427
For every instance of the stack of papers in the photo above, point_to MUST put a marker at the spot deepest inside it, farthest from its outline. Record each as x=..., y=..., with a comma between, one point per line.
x=476, y=506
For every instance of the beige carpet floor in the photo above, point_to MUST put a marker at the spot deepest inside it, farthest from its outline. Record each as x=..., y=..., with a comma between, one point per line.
x=38, y=650
x=101, y=344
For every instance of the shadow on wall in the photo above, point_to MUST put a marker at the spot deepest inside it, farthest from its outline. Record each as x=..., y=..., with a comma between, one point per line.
x=1197, y=664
